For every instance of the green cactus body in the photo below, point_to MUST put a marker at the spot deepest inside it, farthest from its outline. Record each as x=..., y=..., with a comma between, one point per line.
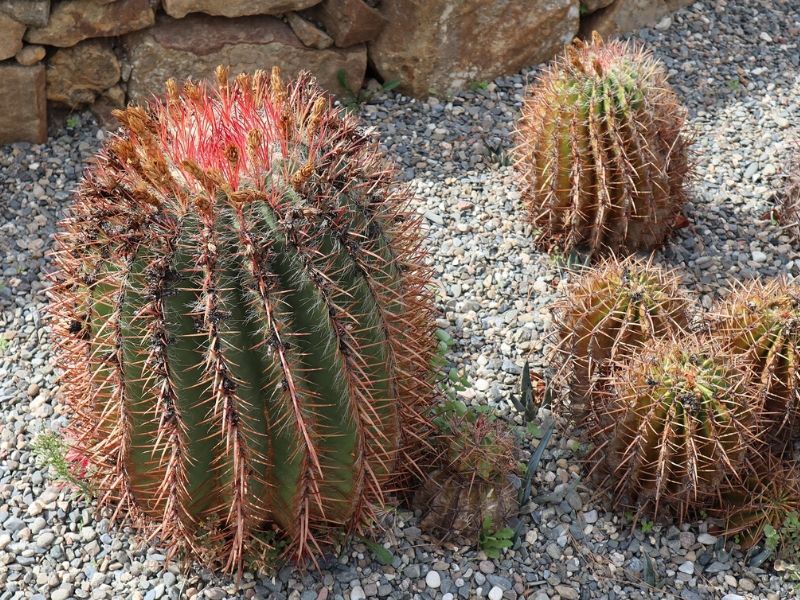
x=761, y=322
x=610, y=313
x=682, y=421
x=601, y=153
x=246, y=323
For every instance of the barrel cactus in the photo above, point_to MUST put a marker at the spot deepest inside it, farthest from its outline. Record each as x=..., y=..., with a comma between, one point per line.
x=244, y=320
x=471, y=485
x=676, y=427
x=602, y=151
x=609, y=313
x=761, y=322
x=768, y=495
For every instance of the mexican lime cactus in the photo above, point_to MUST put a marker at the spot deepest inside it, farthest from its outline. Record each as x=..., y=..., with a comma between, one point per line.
x=244, y=320
x=767, y=496
x=676, y=427
x=602, y=151
x=609, y=313
x=471, y=484
x=761, y=321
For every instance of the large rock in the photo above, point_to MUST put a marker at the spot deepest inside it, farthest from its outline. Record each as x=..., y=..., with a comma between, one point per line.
x=23, y=106
x=628, y=15
x=30, y=12
x=349, y=22
x=77, y=75
x=234, y=8
x=73, y=21
x=439, y=46
x=11, y=33
x=193, y=47
x=590, y=6
x=308, y=33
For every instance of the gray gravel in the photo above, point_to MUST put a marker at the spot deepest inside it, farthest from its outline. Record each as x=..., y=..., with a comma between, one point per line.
x=737, y=66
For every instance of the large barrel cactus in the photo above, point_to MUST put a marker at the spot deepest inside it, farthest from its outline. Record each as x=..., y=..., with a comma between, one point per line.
x=602, y=153
x=244, y=320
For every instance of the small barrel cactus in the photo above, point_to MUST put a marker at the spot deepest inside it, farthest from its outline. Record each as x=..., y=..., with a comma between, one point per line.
x=676, y=427
x=765, y=498
x=609, y=313
x=471, y=485
x=602, y=153
x=789, y=213
x=244, y=320
x=761, y=322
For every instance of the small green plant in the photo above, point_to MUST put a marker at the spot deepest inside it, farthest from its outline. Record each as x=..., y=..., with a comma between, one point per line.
x=51, y=451
x=73, y=121
x=3, y=344
x=734, y=84
x=381, y=554
x=353, y=99
x=646, y=526
x=494, y=541
x=478, y=85
x=449, y=380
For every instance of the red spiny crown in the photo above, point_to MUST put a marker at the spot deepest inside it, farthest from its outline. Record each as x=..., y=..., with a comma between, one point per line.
x=242, y=312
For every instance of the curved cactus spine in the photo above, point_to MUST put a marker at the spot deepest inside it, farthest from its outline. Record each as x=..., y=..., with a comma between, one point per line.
x=602, y=153
x=611, y=312
x=761, y=322
x=676, y=426
x=243, y=315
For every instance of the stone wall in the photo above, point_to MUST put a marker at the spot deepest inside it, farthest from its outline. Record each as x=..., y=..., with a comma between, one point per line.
x=101, y=54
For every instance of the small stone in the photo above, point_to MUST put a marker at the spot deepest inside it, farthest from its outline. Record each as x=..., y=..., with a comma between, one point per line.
x=30, y=55
x=433, y=580
x=495, y=593
x=759, y=256
x=357, y=593
x=733, y=597
x=62, y=593
x=707, y=539
x=567, y=592
x=14, y=524
x=746, y=584
x=434, y=218
x=590, y=517
x=486, y=567
x=687, y=567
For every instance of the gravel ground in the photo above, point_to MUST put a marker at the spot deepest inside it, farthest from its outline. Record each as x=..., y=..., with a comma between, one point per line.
x=736, y=64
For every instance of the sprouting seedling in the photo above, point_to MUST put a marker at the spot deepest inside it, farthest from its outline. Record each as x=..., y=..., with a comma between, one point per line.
x=494, y=541
x=526, y=404
x=355, y=98
x=529, y=409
